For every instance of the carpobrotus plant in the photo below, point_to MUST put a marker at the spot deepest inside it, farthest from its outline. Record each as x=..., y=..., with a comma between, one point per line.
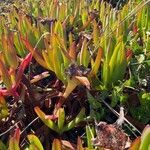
x=65, y=58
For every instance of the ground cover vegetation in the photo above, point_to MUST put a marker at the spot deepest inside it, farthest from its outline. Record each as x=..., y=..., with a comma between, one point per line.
x=75, y=75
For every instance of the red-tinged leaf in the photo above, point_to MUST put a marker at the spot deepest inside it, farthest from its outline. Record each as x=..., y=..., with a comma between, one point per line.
x=61, y=101
x=68, y=145
x=35, y=143
x=135, y=29
x=57, y=145
x=25, y=62
x=46, y=120
x=135, y=144
x=97, y=62
x=83, y=80
x=73, y=51
x=129, y=54
x=12, y=91
x=22, y=67
x=51, y=117
x=79, y=144
x=4, y=92
x=17, y=135
x=14, y=140
x=40, y=77
x=34, y=52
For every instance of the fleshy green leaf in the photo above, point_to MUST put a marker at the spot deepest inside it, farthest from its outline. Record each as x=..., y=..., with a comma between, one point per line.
x=46, y=120
x=61, y=118
x=76, y=120
x=90, y=136
x=34, y=143
x=145, y=139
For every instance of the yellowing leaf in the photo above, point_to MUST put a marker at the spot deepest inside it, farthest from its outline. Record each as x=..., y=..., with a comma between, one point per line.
x=84, y=81
x=145, y=139
x=135, y=144
x=84, y=54
x=46, y=119
x=96, y=33
x=35, y=143
x=56, y=145
x=47, y=60
x=35, y=53
x=79, y=144
x=14, y=140
x=97, y=62
x=61, y=118
x=9, y=52
x=5, y=75
x=72, y=83
x=73, y=51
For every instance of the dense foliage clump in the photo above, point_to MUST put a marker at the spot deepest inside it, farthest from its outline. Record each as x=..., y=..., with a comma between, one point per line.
x=66, y=67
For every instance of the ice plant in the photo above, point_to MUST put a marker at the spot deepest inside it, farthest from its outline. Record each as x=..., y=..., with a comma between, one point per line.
x=82, y=42
x=114, y=66
x=56, y=122
x=56, y=58
x=57, y=145
x=14, y=140
x=4, y=112
x=12, y=87
x=34, y=142
x=142, y=143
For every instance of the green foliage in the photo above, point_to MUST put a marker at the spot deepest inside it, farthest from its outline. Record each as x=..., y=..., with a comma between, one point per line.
x=142, y=112
x=96, y=110
x=118, y=96
x=82, y=43
x=2, y=146
x=4, y=111
x=60, y=126
x=90, y=136
x=145, y=143
x=34, y=143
